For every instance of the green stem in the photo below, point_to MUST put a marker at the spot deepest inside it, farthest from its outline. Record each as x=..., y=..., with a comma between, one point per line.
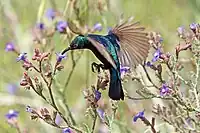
x=68, y=110
x=72, y=71
x=196, y=83
x=66, y=8
x=147, y=74
x=94, y=121
x=150, y=97
x=17, y=128
x=87, y=69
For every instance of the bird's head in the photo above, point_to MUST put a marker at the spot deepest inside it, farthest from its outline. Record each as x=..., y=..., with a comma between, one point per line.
x=77, y=43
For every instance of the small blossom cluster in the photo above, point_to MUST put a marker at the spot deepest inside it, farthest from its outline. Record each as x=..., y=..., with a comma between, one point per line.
x=44, y=69
x=124, y=71
x=45, y=115
x=38, y=56
x=12, y=114
x=11, y=118
x=92, y=97
x=95, y=102
x=10, y=47
x=156, y=40
x=139, y=115
x=102, y=81
x=60, y=26
x=164, y=90
x=188, y=37
x=26, y=81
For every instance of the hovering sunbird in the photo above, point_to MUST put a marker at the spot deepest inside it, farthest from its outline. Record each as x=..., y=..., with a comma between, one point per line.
x=126, y=45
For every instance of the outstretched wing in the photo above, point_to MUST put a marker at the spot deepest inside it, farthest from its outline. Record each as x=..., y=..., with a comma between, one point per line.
x=133, y=43
x=102, y=50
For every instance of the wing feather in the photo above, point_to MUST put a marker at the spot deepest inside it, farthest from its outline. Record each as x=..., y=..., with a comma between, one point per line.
x=133, y=42
x=125, y=59
x=125, y=24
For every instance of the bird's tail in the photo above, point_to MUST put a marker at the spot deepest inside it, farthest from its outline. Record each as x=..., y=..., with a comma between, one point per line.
x=115, y=90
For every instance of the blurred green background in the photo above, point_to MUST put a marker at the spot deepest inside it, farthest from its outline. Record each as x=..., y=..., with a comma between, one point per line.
x=17, y=17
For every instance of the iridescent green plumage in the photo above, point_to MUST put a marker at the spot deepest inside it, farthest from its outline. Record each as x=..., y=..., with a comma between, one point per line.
x=126, y=44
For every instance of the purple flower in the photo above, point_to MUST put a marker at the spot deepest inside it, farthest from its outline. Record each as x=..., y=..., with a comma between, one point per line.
x=97, y=27
x=156, y=55
x=139, y=115
x=29, y=109
x=12, y=88
x=124, y=70
x=10, y=47
x=58, y=119
x=181, y=30
x=66, y=130
x=12, y=114
x=101, y=114
x=164, y=90
x=193, y=26
x=149, y=64
x=60, y=56
x=61, y=26
x=22, y=57
x=50, y=13
x=40, y=26
x=97, y=95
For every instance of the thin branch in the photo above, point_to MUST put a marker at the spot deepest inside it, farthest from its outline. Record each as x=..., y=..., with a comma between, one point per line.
x=18, y=128
x=53, y=104
x=47, y=84
x=54, y=72
x=68, y=110
x=196, y=83
x=72, y=71
x=94, y=121
x=149, y=76
x=146, y=98
x=33, y=87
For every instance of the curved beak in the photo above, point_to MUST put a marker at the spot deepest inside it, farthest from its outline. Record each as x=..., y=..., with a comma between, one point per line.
x=64, y=51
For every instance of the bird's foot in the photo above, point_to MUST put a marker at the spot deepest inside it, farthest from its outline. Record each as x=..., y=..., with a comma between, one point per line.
x=97, y=67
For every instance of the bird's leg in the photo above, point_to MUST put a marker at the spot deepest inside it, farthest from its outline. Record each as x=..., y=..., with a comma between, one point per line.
x=97, y=66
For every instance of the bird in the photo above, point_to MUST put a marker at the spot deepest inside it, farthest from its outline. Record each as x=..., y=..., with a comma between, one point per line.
x=126, y=44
